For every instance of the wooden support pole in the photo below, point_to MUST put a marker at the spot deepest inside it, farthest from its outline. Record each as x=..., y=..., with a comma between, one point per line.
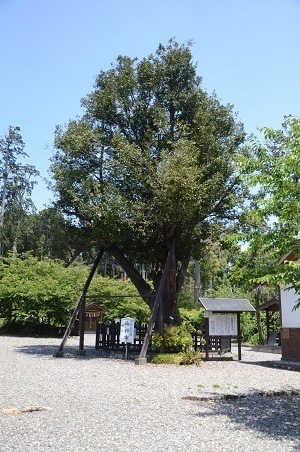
x=59, y=353
x=239, y=336
x=158, y=299
x=81, y=327
x=268, y=323
x=207, y=339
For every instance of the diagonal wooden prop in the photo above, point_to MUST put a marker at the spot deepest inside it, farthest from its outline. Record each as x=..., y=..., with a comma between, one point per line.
x=157, y=302
x=79, y=304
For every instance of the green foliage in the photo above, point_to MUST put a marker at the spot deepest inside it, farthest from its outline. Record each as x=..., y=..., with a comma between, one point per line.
x=44, y=291
x=249, y=329
x=166, y=358
x=157, y=340
x=191, y=356
x=16, y=184
x=152, y=157
x=38, y=291
x=178, y=336
x=119, y=298
x=271, y=225
x=194, y=317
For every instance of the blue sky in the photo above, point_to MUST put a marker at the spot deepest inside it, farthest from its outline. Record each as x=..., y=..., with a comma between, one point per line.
x=248, y=52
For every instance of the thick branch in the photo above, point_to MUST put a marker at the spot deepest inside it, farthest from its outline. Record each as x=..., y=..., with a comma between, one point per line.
x=144, y=289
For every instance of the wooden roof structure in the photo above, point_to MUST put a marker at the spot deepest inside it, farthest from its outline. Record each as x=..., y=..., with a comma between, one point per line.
x=270, y=305
x=226, y=305
x=91, y=307
x=290, y=256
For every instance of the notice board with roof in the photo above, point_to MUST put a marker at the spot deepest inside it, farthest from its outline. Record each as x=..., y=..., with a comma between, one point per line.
x=222, y=316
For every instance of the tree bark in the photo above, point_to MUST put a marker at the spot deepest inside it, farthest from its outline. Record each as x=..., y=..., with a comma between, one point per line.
x=175, y=279
x=261, y=335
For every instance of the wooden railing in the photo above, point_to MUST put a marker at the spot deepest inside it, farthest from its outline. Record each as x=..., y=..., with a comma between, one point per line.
x=108, y=338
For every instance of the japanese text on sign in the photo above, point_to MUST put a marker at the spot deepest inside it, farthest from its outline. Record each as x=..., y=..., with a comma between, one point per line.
x=223, y=325
x=127, y=330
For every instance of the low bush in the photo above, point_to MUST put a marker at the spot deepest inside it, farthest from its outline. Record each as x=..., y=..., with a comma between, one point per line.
x=166, y=358
x=176, y=337
x=191, y=356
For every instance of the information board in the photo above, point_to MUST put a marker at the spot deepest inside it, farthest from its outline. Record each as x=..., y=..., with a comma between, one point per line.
x=222, y=325
x=127, y=330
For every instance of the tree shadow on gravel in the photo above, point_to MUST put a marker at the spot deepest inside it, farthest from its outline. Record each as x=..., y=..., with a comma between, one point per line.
x=49, y=350
x=277, y=417
x=276, y=364
x=69, y=352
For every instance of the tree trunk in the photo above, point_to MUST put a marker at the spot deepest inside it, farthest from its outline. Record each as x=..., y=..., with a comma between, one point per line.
x=261, y=335
x=197, y=282
x=170, y=312
x=3, y=202
x=175, y=279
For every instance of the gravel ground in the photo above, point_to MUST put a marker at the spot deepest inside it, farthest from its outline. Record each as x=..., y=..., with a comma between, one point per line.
x=98, y=404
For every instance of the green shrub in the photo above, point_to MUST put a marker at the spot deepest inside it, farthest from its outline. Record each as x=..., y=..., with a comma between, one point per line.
x=193, y=316
x=166, y=358
x=157, y=340
x=191, y=356
x=178, y=336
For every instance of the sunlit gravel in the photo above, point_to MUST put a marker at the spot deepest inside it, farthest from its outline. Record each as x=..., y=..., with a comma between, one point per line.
x=93, y=403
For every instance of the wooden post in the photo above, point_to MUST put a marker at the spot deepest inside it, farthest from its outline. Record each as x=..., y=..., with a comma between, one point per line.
x=207, y=339
x=239, y=336
x=268, y=323
x=126, y=351
x=197, y=282
x=158, y=299
x=60, y=351
x=81, y=350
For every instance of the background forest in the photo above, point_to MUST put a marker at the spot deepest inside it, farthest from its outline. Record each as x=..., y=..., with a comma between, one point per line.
x=152, y=158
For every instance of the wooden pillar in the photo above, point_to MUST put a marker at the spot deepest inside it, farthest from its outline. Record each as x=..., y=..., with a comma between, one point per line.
x=239, y=336
x=268, y=323
x=158, y=299
x=207, y=339
x=60, y=351
x=81, y=350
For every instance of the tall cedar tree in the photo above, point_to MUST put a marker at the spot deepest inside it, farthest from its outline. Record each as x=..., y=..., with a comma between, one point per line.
x=152, y=158
x=16, y=184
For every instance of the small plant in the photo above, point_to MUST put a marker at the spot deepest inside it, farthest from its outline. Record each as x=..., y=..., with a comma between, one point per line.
x=191, y=356
x=217, y=386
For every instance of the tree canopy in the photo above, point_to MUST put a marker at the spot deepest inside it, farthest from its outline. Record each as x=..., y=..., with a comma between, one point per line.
x=16, y=184
x=153, y=157
x=272, y=168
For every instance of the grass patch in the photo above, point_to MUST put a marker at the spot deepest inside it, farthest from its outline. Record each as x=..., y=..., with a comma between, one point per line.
x=166, y=358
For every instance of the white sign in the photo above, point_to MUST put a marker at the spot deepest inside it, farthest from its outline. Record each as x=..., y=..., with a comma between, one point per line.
x=223, y=325
x=127, y=330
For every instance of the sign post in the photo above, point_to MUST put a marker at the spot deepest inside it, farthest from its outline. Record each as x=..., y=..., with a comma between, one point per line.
x=223, y=318
x=127, y=332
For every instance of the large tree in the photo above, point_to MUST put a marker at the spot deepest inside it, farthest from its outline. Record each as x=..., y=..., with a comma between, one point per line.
x=152, y=158
x=272, y=168
x=16, y=184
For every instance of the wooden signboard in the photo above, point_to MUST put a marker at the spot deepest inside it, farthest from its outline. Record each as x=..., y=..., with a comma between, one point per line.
x=222, y=325
x=127, y=330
